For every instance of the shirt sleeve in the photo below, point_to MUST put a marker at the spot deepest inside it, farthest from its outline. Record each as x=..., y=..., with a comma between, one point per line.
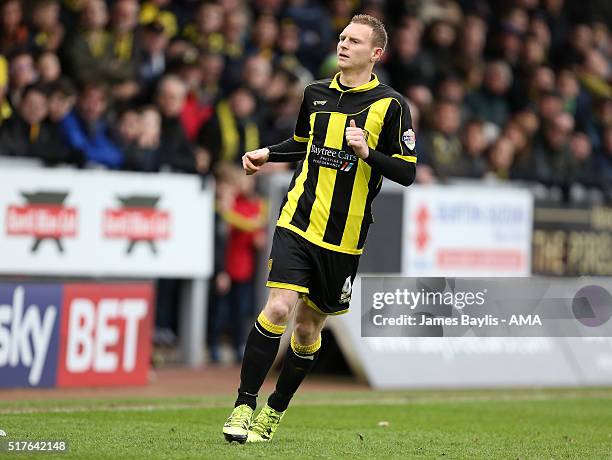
x=287, y=151
x=392, y=168
x=302, y=127
x=399, y=137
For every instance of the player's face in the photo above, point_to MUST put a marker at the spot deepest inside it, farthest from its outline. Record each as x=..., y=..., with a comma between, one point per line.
x=355, y=49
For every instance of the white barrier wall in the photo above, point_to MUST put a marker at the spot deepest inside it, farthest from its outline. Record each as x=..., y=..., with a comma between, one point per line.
x=464, y=362
x=468, y=231
x=105, y=224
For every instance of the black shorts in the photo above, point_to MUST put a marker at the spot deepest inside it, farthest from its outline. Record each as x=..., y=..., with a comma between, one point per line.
x=324, y=278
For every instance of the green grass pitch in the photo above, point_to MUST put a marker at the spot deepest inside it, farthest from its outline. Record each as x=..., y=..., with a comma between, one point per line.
x=511, y=424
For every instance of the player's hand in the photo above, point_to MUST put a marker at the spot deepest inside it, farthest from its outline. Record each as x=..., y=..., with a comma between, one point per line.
x=355, y=138
x=255, y=159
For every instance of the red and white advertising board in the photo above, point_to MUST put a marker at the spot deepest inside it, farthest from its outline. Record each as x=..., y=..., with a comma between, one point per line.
x=467, y=231
x=101, y=223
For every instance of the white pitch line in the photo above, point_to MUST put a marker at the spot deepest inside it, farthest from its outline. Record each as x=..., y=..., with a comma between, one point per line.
x=315, y=402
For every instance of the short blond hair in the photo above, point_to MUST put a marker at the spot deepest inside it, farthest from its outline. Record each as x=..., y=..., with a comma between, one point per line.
x=379, y=35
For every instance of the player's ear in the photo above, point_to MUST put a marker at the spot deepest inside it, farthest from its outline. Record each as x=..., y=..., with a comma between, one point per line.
x=376, y=55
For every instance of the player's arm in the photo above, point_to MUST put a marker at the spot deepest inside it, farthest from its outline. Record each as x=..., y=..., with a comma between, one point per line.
x=396, y=159
x=286, y=152
x=392, y=168
x=290, y=150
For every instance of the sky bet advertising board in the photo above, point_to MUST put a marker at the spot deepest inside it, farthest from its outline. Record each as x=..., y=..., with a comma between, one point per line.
x=75, y=334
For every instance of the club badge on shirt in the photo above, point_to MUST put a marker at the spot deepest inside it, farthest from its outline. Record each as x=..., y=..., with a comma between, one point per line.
x=409, y=138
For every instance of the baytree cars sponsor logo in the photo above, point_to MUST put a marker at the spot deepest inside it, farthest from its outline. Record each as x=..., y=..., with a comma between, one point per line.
x=332, y=158
x=138, y=220
x=43, y=217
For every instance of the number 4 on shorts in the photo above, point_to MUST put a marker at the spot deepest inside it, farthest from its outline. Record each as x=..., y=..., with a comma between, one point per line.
x=347, y=288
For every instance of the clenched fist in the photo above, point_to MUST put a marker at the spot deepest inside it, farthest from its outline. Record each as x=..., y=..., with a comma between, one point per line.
x=255, y=159
x=355, y=138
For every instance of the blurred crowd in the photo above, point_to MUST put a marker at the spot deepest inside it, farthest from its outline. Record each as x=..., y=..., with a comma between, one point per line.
x=498, y=90
x=514, y=89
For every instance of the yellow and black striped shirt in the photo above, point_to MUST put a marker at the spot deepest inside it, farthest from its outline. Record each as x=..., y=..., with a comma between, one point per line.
x=329, y=201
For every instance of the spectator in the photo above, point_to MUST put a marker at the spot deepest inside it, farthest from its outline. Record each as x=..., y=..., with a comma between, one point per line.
x=510, y=44
x=603, y=161
x=5, y=107
x=206, y=32
x=198, y=108
x=150, y=137
x=341, y=12
x=281, y=124
x=263, y=37
x=489, y=102
x=556, y=21
x=232, y=130
x=89, y=52
x=582, y=169
x=49, y=67
x=129, y=130
x=27, y=134
x=553, y=65
x=256, y=76
x=528, y=122
x=316, y=31
x=123, y=24
x=62, y=97
x=288, y=46
x=47, y=31
x=234, y=30
x=245, y=216
x=158, y=11
x=175, y=150
x=442, y=144
x=87, y=132
x=513, y=132
x=285, y=99
x=152, y=58
x=441, y=37
x=212, y=68
x=501, y=156
x=539, y=28
x=474, y=144
x=13, y=32
x=551, y=153
x=577, y=45
x=533, y=53
x=450, y=88
x=528, y=88
x=601, y=36
x=577, y=102
x=22, y=73
x=421, y=96
x=550, y=104
x=594, y=73
x=408, y=64
x=471, y=46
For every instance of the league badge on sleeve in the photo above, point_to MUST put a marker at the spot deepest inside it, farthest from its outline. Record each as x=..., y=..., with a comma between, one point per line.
x=409, y=138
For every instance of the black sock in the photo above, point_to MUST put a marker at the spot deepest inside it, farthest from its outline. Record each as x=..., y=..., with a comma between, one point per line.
x=259, y=353
x=300, y=359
